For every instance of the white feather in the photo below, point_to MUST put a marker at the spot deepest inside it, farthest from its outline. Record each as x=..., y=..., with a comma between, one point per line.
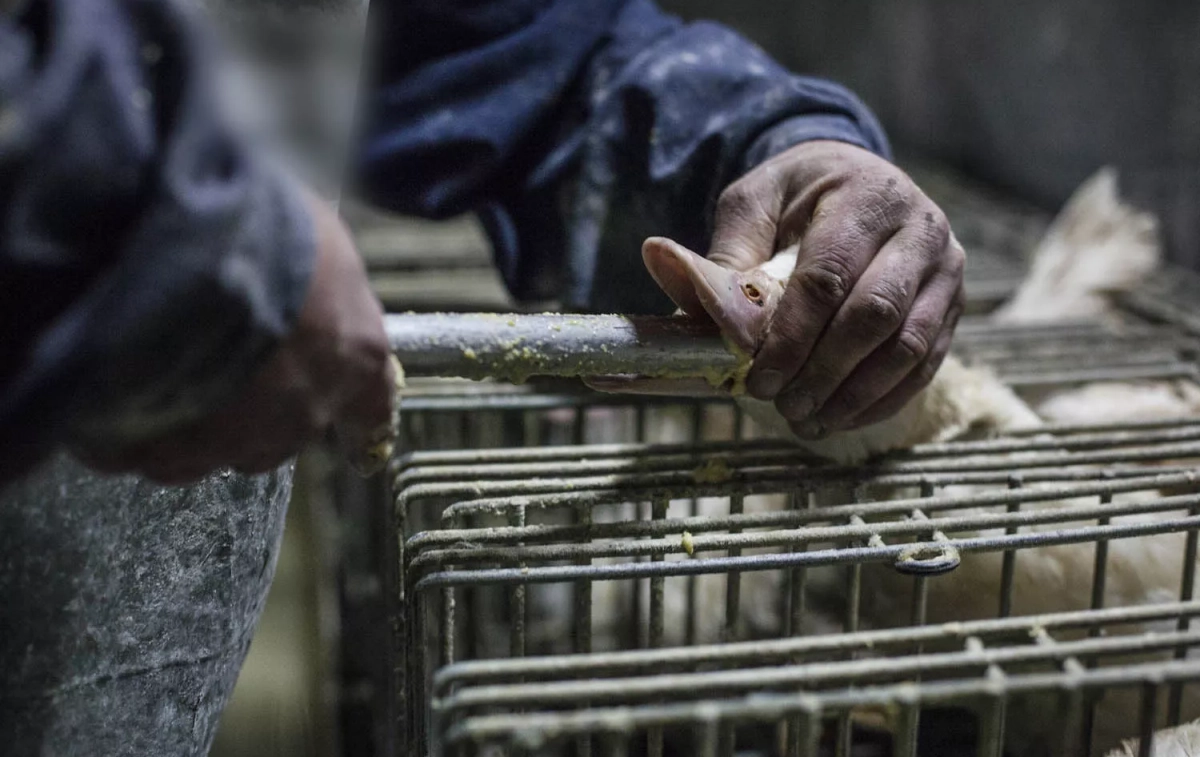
x=1098, y=245
x=1182, y=741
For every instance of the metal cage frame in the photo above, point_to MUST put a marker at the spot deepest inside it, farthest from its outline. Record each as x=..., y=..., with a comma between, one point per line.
x=485, y=465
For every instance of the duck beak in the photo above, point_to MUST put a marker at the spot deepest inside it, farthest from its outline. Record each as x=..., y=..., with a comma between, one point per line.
x=703, y=289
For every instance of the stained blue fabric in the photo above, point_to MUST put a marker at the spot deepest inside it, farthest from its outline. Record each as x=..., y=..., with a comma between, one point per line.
x=148, y=261
x=576, y=128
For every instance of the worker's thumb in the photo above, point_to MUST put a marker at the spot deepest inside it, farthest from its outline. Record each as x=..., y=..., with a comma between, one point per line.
x=746, y=223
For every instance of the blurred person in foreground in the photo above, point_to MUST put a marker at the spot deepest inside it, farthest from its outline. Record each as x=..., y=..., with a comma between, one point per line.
x=172, y=304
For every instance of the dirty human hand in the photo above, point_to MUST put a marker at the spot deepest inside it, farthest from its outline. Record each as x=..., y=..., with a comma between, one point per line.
x=334, y=371
x=870, y=308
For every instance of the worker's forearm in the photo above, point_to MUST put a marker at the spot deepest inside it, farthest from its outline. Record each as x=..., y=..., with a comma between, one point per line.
x=149, y=262
x=580, y=127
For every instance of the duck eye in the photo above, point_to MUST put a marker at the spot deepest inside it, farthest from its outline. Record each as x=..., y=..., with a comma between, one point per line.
x=753, y=293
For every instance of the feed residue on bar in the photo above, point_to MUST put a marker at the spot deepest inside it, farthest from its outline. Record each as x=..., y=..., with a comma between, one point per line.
x=713, y=472
x=527, y=346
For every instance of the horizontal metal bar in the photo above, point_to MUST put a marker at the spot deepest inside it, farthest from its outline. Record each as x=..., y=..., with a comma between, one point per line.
x=708, y=684
x=794, y=537
x=583, y=464
x=1042, y=356
x=1018, y=364
x=1101, y=341
x=987, y=325
x=682, y=484
x=607, y=496
x=1050, y=437
x=1041, y=352
x=1065, y=429
x=1156, y=306
x=842, y=556
x=991, y=292
x=1176, y=370
x=561, y=401
x=541, y=533
x=563, y=462
x=986, y=330
x=773, y=708
x=516, y=347
x=415, y=467
x=781, y=650
x=507, y=455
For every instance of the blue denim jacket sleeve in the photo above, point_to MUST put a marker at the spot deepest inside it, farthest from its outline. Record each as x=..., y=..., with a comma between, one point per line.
x=147, y=262
x=576, y=128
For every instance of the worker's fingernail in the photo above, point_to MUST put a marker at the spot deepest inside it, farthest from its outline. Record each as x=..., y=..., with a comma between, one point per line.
x=796, y=406
x=765, y=384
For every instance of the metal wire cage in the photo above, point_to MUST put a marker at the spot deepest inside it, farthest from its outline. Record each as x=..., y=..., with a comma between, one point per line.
x=574, y=573
x=601, y=574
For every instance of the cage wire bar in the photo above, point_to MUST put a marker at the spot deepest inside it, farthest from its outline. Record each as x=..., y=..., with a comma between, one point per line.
x=517, y=508
x=447, y=559
x=440, y=563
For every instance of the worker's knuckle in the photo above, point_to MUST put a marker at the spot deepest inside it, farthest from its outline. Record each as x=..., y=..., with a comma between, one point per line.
x=912, y=344
x=827, y=280
x=788, y=339
x=935, y=233
x=375, y=351
x=883, y=207
x=881, y=311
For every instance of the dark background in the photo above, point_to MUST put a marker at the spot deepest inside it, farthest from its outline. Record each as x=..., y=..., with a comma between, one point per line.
x=1029, y=95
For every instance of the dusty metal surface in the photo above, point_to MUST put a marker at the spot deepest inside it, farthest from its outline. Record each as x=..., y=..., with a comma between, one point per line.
x=507, y=540
x=515, y=347
x=704, y=688
x=919, y=536
x=577, y=573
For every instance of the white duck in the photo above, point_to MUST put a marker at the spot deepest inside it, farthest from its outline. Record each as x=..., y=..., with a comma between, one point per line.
x=1096, y=246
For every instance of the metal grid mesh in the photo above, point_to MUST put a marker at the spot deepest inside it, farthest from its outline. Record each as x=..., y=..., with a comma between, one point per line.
x=1069, y=354
x=572, y=573
x=554, y=542
x=798, y=684
x=885, y=551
